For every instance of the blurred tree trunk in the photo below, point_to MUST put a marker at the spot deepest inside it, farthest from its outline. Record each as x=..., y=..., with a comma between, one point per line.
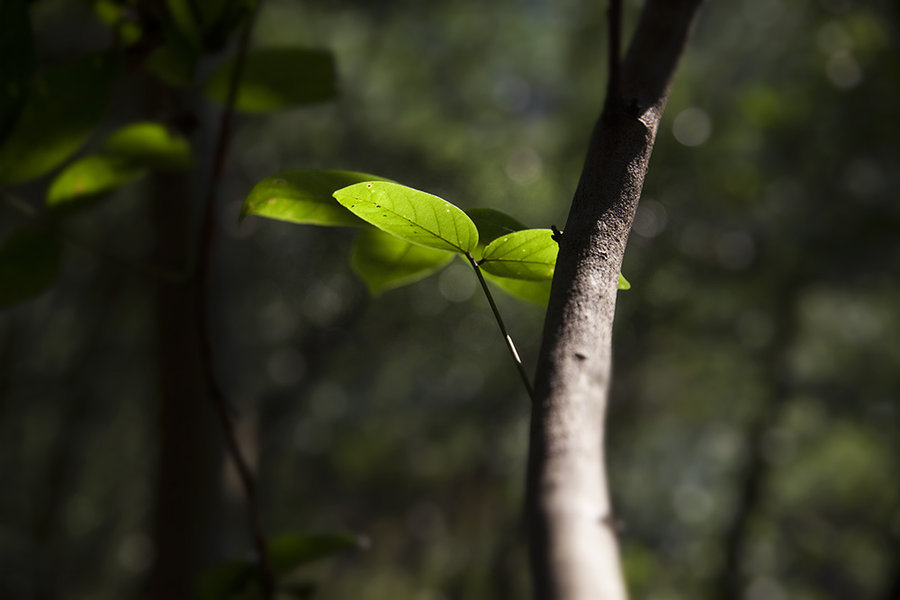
x=574, y=551
x=190, y=447
x=753, y=477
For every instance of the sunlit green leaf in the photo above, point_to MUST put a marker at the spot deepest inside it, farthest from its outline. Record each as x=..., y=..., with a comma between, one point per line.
x=127, y=154
x=535, y=292
x=623, y=283
x=16, y=61
x=149, y=144
x=277, y=78
x=528, y=254
x=62, y=110
x=90, y=176
x=384, y=261
x=304, y=196
x=491, y=224
x=412, y=215
x=29, y=264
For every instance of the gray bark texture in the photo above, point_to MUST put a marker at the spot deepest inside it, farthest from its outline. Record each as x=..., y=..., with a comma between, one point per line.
x=574, y=552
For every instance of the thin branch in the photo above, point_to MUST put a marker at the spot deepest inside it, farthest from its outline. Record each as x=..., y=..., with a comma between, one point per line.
x=204, y=263
x=509, y=343
x=574, y=548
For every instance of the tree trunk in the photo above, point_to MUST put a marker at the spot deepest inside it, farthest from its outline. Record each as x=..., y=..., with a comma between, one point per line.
x=574, y=551
x=190, y=446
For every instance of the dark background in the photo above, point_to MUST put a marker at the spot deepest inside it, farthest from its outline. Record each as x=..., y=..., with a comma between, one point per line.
x=755, y=400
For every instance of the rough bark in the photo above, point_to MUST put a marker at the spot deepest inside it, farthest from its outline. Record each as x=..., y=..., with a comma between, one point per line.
x=574, y=550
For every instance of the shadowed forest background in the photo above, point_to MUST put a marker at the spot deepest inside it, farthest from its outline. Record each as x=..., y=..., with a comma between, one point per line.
x=754, y=432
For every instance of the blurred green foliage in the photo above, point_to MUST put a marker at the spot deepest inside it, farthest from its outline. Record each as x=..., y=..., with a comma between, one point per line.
x=760, y=341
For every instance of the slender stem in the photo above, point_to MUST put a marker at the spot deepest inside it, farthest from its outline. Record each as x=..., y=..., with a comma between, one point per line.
x=204, y=264
x=509, y=343
x=574, y=548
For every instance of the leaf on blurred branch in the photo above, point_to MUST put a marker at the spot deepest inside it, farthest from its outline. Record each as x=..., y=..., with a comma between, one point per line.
x=385, y=262
x=528, y=254
x=304, y=197
x=127, y=154
x=50, y=130
x=277, y=79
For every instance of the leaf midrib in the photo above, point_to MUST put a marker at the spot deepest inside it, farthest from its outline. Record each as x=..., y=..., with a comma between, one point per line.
x=414, y=224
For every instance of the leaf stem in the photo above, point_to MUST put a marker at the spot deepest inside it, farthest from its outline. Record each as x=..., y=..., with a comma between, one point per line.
x=509, y=342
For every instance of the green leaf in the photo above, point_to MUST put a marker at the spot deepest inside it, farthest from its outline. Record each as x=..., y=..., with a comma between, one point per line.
x=292, y=550
x=90, y=176
x=528, y=254
x=126, y=155
x=491, y=224
x=16, y=61
x=411, y=215
x=535, y=292
x=305, y=197
x=29, y=264
x=276, y=79
x=384, y=261
x=63, y=109
x=150, y=144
